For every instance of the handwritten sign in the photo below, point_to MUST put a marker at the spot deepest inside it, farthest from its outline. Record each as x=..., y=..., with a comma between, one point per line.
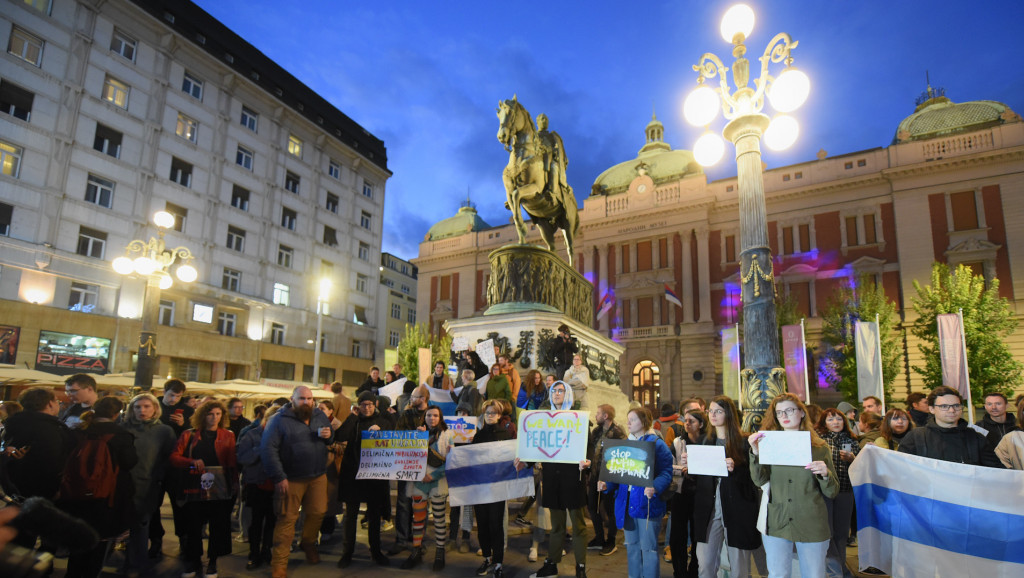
x=463, y=428
x=706, y=460
x=552, y=436
x=460, y=344
x=628, y=462
x=393, y=455
x=785, y=448
x=485, y=349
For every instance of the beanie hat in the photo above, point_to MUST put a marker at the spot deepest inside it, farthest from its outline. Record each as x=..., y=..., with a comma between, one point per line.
x=367, y=396
x=667, y=410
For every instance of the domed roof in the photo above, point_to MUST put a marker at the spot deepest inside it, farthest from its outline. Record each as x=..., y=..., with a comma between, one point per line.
x=465, y=221
x=938, y=116
x=656, y=159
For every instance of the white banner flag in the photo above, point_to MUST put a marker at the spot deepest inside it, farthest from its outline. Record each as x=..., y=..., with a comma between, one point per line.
x=951, y=350
x=869, y=360
x=731, y=364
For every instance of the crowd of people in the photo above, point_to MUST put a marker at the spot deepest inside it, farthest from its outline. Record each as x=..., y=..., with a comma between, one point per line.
x=288, y=474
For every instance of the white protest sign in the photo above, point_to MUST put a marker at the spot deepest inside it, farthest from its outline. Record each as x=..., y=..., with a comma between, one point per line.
x=481, y=384
x=706, y=460
x=552, y=436
x=460, y=344
x=785, y=448
x=485, y=349
x=393, y=390
x=392, y=455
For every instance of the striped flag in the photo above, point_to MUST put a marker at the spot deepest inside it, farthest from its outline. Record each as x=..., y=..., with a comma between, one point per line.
x=869, y=360
x=671, y=297
x=483, y=473
x=918, y=517
x=606, y=304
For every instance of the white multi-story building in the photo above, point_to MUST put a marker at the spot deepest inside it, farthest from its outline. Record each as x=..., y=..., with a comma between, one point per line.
x=114, y=110
x=397, y=306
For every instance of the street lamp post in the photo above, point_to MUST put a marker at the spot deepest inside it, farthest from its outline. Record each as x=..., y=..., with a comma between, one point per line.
x=153, y=260
x=321, y=300
x=762, y=378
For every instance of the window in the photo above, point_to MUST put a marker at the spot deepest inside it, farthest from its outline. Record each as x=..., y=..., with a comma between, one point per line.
x=236, y=239
x=785, y=177
x=226, y=324
x=231, y=280
x=796, y=239
x=108, y=141
x=405, y=289
x=167, y=313
x=393, y=338
x=10, y=159
x=862, y=163
x=388, y=283
x=83, y=297
x=288, y=218
x=91, y=242
x=25, y=46
x=99, y=191
x=332, y=202
x=6, y=216
x=851, y=231
x=965, y=211
x=326, y=269
x=730, y=188
x=285, y=255
x=367, y=190
x=410, y=316
x=396, y=311
x=282, y=294
x=123, y=44
x=187, y=128
x=116, y=93
x=294, y=146
x=243, y=158
x=181, y=172
x=361, y=282
x=40, y=5
x=250, y=119
x=359, y=315
x=848, y=165
x=860, y=230
x=277, y=334
x=15, y=100
x=357, y=349
x=330, y=236
x=240, y=198
x=291, y=182
x=730, y=248
x=364, y=251
x=193, y=86
x=334, y=169
x=870, y=238
x=798, y=175
x=364, y=220
x=180, y=214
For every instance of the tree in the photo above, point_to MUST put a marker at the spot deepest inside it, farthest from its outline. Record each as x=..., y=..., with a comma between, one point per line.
x=988, y=321
x=859, y=301
x=415, y=337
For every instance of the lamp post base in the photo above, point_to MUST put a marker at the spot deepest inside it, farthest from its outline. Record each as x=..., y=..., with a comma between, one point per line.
x=760, y=385
x=146, y=365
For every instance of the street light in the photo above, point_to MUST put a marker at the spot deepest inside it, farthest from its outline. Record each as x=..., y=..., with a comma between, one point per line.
x=153, y=260
x=321, y=300
x=746, y=125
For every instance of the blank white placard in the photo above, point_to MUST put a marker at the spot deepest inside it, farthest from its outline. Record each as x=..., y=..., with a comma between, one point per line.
x=785, y=448
x=706, y=460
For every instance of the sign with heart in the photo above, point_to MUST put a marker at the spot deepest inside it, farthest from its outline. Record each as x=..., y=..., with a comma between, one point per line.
x=552, y=436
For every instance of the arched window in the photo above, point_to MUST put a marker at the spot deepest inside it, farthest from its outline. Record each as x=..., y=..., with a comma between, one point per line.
x=647, y=384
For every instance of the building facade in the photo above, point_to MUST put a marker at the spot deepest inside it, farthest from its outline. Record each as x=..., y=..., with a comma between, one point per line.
x=397, y=308
x=949, y=188
x=115, y=110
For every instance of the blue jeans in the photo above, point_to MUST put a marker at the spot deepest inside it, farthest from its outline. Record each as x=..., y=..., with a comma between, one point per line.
x=642, y=547
x=779, y=552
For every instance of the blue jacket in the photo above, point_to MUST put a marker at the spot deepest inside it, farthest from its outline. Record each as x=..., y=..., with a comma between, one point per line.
x=248, y=451
x=524, y=401
x=639, y=505
x=290, y=449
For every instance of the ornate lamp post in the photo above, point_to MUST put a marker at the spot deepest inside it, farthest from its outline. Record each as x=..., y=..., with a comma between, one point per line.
x=762, y=378
x=321, y=301
x=153, y=260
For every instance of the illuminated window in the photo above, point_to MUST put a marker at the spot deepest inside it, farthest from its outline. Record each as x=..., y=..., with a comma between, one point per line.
x=282, y=294
x=294, y=146
x=187, y=128
x=647, y=384
x=10, y=159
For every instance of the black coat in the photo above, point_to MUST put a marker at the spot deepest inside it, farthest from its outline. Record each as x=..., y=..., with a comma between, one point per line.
x=49, y=443
x=350, y=431
x=740, y=502
x=562, y=350
x=955, y=444
x=996, y=431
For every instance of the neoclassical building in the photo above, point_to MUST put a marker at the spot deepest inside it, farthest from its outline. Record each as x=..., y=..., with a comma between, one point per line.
x=949, y=187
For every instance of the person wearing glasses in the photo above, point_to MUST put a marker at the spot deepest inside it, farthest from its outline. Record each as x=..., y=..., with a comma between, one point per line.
x=490, y=517
x=947, y=436
x=81, y=392
x=797, y=514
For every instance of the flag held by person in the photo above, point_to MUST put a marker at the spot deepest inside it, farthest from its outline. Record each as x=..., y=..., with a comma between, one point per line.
x=918, y=517
x=483, y=473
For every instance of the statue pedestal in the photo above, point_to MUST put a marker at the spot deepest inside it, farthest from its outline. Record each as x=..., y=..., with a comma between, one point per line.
x=531, y=278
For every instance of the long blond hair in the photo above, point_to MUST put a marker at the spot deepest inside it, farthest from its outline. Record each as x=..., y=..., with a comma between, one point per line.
x=770, y=423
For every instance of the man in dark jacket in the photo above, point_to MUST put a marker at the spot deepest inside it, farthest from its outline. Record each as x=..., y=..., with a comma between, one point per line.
x=602, y=507
x=294, y=454
x=562, y=350
x=373, y=382
x=947, y=436
x=374, y=493
x=81, y=391
x=997, y=421
x=410, y=419
x=917, y=407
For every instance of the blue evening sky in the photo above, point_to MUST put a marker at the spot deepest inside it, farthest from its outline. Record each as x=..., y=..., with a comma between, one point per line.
x=426, y=77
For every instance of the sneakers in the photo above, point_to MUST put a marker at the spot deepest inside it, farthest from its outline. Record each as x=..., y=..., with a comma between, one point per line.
x=499, y=572
x=668, y=554
x=581, y=571
x=387, y=526
x=522, y=521
x=253, y=564
x=485, y=567
x=211, y=570
x=548, y=569
x=532, y=556
x=595, y=544
x=609, y=549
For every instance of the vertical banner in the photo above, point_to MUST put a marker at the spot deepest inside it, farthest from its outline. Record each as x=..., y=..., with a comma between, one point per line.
x=731, y=364
x=869, y=360
x=426, y=367
x=953, y=353
x=795, y=359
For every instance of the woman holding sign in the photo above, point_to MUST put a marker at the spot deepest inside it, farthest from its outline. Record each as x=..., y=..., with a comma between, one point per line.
x=432, y=489
x=796, y=505
x=490, y=518
x=638, y=510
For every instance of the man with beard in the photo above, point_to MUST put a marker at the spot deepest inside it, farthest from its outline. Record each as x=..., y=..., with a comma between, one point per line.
x=374, y=493
x=294, y=454
x=410, y=419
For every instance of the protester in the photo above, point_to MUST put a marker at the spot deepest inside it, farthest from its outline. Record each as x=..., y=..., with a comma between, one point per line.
x=562, y=350
x=330, y=522
x=432, y=490
x=508, y=369
x=797, y=514
x=342, y=403
x=917, y=407
x=412, y=418
x=834, y=428
x=469, y=394
x=440, y=378
x=670, y=424
x=236, y=421
x=997, y=422
x=639, y=509
x=489, y=517
x=498, y=386
x=682, y=521
x=578, y=376
x=397, y=370
x=471, y=361
x=872, y=404
x=1010, y=450
x=154, y=442
x=814, y=412
x=208, y=444
x=259, y=493
x=895, y=425
x=373, y=382
x=533, y=393
x=600, y=505
x=946, y=436
x=870, y=425
x=851, y=413
x=7, y=409
x=462, y=517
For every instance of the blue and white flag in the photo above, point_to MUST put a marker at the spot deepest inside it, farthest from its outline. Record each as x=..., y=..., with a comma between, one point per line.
x=483, y=473
x=918, y=517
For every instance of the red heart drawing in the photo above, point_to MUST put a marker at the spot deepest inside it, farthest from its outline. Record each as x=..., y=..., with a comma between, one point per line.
x=550, y=415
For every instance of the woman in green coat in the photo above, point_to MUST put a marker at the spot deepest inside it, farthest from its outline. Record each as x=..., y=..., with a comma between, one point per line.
x=498, y=387
x=796, y=506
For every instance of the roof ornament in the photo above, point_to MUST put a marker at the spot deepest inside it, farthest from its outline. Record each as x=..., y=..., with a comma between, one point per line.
x=930, y=92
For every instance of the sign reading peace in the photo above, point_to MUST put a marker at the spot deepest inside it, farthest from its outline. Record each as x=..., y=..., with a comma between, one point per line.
x=552, y=436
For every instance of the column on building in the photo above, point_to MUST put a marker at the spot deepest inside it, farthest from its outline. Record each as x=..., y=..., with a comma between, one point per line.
x=703, y=274
x=602, y=282
x=687, y=278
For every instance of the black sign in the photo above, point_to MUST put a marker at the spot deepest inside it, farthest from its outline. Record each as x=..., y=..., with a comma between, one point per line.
x=628, y=462
x=67, y=353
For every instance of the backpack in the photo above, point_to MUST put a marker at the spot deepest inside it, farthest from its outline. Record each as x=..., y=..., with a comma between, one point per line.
x=90, y=472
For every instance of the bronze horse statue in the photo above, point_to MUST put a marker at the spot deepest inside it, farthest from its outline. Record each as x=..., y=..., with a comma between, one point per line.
x=535, y=176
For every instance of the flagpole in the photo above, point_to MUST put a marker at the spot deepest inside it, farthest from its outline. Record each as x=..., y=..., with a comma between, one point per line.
x=803, y=353
x=881, y=378
x=967, y=368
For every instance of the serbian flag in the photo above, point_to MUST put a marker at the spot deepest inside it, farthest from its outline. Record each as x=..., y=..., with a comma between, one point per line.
x=483, y=474
x=606, y=304
x=918, y=517
x=671, y=297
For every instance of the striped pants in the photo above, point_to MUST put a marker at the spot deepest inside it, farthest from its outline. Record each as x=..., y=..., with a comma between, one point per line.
x=419, y=519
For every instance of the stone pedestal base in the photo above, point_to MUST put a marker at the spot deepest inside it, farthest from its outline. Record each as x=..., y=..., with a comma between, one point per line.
x=530, y=278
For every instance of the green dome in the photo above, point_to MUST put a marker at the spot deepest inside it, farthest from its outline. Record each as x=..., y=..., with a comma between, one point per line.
x=656, y=159
x=465, y=221
x=940, y=116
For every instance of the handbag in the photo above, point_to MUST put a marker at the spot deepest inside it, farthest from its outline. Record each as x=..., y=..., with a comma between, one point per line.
x=208, y=485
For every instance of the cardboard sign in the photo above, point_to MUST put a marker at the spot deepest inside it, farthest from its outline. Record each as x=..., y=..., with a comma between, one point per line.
x=628, y=462
x=785, y=448
x=392, y=455
x=463, y=428
x=426, y=366
x=552, y=436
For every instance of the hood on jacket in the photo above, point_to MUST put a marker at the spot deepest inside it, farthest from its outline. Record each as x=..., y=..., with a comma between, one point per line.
x=568, y=401
x=669, y=419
